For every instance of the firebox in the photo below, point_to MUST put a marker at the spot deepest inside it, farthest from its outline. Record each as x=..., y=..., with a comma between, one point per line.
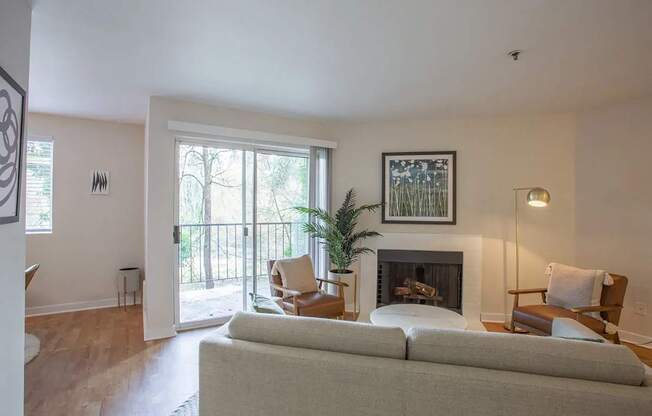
x=415, y=276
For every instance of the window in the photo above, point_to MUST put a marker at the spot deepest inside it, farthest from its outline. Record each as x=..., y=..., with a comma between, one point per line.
x=39, y=186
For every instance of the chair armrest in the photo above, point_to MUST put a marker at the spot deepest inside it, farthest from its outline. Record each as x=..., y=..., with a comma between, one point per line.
x=285, y=290
x=599, y=308
x=333, y=282
x=526, y=291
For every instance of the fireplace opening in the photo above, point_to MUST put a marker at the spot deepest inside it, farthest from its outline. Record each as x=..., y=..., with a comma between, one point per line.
x=415, y=276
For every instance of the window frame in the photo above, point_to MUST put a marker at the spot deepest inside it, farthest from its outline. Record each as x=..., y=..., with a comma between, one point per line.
x=28, y=231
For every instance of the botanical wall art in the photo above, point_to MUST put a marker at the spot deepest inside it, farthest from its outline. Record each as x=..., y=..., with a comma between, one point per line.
x=12, y=104
x=100, y=182
x=419, y=187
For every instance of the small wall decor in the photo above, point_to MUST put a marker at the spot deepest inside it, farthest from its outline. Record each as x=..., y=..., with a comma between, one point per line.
x=12, y=105
x=419, y=187
x=100, y=182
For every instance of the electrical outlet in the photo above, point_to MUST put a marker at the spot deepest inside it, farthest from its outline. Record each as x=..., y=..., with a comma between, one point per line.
x=640, y=308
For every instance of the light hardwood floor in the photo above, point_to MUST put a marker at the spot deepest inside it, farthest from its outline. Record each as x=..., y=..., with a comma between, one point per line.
x=96, y=363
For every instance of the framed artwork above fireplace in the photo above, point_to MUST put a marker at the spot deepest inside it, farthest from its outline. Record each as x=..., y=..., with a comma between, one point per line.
x=419, y=187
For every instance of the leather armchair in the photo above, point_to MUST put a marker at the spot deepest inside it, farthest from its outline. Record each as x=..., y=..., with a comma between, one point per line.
x=316, y=304
x=538, y=318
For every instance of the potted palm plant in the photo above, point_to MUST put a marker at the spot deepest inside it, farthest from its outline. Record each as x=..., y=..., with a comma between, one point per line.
x=339, y=236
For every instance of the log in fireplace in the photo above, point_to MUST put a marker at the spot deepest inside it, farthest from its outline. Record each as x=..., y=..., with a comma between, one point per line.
x=415, y=276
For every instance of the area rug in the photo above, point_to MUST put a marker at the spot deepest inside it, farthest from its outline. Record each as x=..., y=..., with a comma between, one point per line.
x=32, y=347
x=188, y=408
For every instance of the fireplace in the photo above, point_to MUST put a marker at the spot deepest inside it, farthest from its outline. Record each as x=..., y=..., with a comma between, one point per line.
x=409, y=276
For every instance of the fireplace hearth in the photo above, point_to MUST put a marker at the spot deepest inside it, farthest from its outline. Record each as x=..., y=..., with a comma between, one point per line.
x=416, y=276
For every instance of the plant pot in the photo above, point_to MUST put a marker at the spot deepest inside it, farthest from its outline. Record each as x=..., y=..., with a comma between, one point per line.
x=349, y=277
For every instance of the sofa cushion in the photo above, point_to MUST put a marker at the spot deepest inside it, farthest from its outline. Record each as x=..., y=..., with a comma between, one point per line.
x=527, y=354
x=296, y=274
x=319, y=334
x=571, y=329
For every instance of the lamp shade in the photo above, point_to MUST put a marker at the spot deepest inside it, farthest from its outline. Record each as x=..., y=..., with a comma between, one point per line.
x=538, y=197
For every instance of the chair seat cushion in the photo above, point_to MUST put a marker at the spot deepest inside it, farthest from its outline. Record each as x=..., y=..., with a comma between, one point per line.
x=316, y=304
x=541, y=316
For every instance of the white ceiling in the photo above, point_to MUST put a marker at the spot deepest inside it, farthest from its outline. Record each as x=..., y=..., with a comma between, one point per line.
x=339, y=59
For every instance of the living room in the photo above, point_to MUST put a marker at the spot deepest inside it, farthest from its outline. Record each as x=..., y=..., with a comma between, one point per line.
x=435, y=174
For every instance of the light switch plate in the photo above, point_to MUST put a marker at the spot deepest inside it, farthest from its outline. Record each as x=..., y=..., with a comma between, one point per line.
x=640, y=308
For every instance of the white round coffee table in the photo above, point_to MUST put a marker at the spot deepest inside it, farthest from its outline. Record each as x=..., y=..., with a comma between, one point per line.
x=406, y=316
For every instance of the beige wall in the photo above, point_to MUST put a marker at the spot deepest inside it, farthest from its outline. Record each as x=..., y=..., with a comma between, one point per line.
x=92, y=236
x=614, y=200
x=159, y=150
x=15, y=20
x=493, y=156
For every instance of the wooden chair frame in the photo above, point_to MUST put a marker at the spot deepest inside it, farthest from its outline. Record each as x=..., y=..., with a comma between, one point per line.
x=577, y=310
x=295, y=293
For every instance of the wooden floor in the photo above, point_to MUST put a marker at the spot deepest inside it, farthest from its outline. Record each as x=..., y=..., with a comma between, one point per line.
x=96, y=363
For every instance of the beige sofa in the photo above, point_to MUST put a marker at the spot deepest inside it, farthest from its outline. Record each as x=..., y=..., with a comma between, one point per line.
x=279, y=365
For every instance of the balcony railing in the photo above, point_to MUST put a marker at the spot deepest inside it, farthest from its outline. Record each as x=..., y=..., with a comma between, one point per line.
x=214, y=252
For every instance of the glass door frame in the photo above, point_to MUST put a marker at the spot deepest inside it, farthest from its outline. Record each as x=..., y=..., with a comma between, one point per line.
x=224, y=143
x=250, y=237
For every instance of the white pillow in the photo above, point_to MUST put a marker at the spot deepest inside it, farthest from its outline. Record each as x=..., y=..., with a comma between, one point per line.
x=570, y=287
x=297, y=274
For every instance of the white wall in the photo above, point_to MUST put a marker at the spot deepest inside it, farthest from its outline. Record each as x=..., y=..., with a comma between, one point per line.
x=614, y=200
x=92, y=236
x=15, y=20
x=493, y=156
x=159, y=151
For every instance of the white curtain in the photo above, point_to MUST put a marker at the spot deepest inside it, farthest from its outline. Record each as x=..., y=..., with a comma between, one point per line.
x=320, y=197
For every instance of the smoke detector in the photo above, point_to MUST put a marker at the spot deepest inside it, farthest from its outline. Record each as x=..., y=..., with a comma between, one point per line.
x=515, y=54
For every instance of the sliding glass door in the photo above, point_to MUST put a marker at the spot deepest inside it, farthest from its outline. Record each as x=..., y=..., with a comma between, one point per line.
x=234, y=213
x=282, y=181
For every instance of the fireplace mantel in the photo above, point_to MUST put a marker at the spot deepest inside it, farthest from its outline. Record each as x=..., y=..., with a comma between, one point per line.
x=470, y=245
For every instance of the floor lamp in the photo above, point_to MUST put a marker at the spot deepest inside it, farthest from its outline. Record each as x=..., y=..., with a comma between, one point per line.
x=536, y=197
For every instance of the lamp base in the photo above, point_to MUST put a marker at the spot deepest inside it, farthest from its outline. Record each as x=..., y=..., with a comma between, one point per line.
x=517, y=330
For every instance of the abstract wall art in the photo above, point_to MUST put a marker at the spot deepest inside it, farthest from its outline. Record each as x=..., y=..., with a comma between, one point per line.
x=12, y=110
x=100, y=181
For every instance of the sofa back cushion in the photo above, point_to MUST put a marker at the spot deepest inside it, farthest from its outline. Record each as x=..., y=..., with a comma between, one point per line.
x=527, y=354
x=319, y=334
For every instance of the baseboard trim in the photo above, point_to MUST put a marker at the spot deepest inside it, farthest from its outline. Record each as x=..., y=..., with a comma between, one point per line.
x=159, y=333
x=634, y=338
x=73, y=307
x=491, y=317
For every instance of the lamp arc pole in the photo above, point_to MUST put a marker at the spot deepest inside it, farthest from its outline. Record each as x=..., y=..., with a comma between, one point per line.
x=537, y=197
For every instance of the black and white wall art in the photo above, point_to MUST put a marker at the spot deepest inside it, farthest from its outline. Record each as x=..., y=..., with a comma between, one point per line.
x=12, y=109
x=100, y=182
